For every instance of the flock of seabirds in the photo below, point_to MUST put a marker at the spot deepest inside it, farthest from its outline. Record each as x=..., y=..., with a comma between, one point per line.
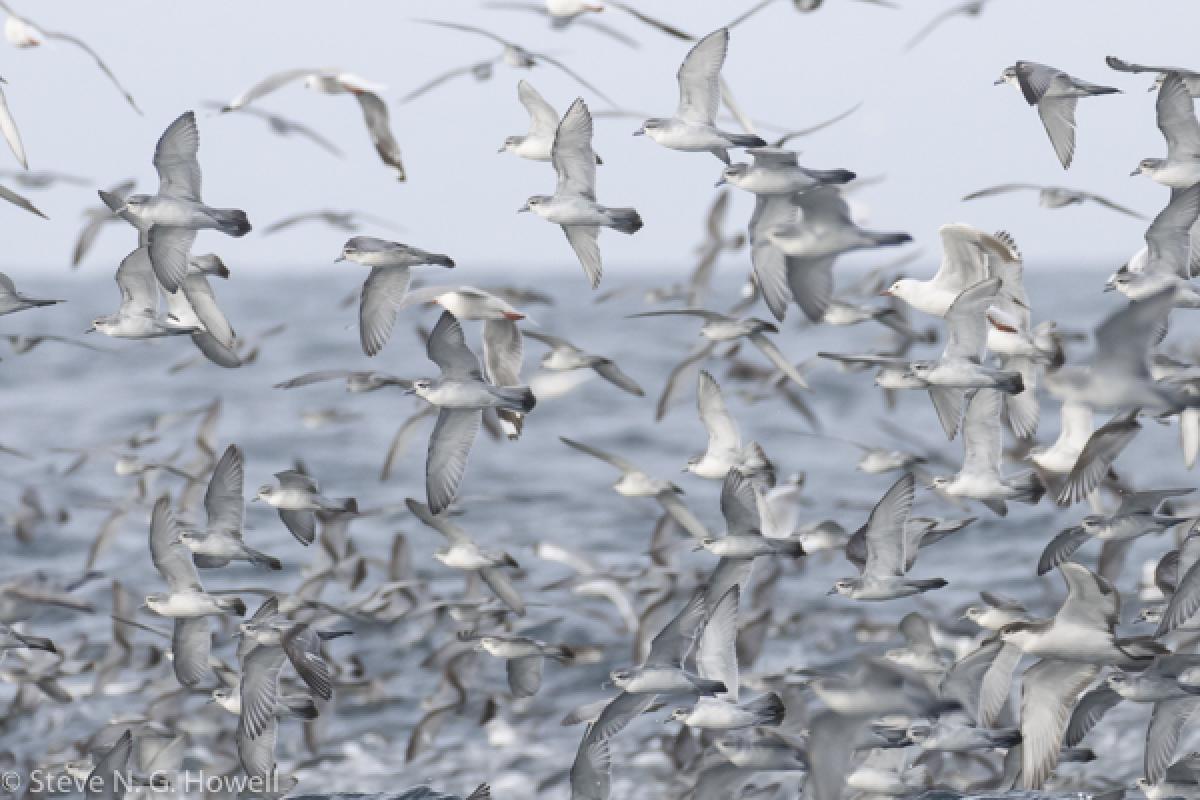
x=993, y=701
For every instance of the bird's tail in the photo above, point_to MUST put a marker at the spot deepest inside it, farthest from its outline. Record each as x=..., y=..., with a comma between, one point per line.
x=1141, y=647
x=832, y=176
x=1010, y=382
x=40, y=303
x=1029, y=488
x=301, y=706
x=1093, y=88
x=768, y=709
x=231, y=221
x=1008, y=737
x=325, y=636
x=747, y=140
x=35, y=642
x=888, y=239
x=232, y=604
x=560, y=653
x=708, y=687
x=625, y=220
x=441, y=260
x=789, y=547
x=516, y=398
x=929, y=584
x=264, y=560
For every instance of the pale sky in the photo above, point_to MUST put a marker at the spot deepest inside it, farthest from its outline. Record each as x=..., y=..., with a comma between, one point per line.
x=931, y=122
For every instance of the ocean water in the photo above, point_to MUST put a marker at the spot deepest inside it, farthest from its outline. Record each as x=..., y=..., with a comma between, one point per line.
x=515, y=494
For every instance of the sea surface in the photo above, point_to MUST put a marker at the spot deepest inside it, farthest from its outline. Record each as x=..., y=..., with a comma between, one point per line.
x=515, y=495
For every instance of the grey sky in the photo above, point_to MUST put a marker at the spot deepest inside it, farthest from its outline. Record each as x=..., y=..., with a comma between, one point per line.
x=932, y=121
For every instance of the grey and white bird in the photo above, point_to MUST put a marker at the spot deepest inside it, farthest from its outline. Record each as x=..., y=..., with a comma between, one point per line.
x=97, y=218
x=693, y=128
x=636, y=483
x=8, y=129
x=298, y=498
x=961, y=364
x=717, y=660
x=971, y=8
x=1118, y=375
x=463, y=553
x=1054, y=196
x=220, y=541
x=538, y=143
x=511, y=54
x=662, y=671
x=460, y=394
x=719, y=327
x=1138, y=515
x=334, y=81
x=980, y=477
x=1176, y=115
x=176, y=213
x=566, y=357
x=138, y=317
x=12, y=301
x=384, y=290
x=741, y=504
x=1083, y=629
x=1055, y=93
x=573, y=205
x=1191, y=77
x=23, y=33
x=524, y=658
x=285, y=126
x=811, y=245
x=349, y=221
x=185, y=602
x=1049, y=691
x=776, y=171
x=1165, y=263
x=883, y=574
x=724, y=451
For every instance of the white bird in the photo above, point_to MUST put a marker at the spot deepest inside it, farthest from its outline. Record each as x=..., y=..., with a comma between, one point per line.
x=1053, y=196
x=693, y=128
x=573, y=204
x=777, y=171
x=1166, y=261
x=1191, y=77
x=1176, y=115
x=966, y=260
x=566, y=357
x=1055, y=94
x=8, y=128
x=334, y=81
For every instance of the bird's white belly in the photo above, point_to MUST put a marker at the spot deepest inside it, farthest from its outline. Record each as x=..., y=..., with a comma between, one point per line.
x=461, y=396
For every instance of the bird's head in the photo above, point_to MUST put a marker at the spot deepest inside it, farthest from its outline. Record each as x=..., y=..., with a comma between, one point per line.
x=921, y=369
x=135, y=204
x=511, y=143
x=652, y=124
x=534, y=203
x=973, y=614
x=844, y=587
x=901, y=289
x=1008, y=76
x=156, y=601
x=421, y=387
x=265, y=492
x=679, y=715
x=620, y=677
x=1093, y=523
x=349, y=251
x=1147, y=166
x=939, y=483
x=733, y=173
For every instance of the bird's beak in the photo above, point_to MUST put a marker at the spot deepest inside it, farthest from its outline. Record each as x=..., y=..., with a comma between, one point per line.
x=1136, y=172
x=697, y=548
x=502, y=149
x=998, y=81
x=831, y=592
x=1153, y=88
x=1108, y=287
x=886, y=293
x=339, y=258
x=720, y=182
x=92, y=329
x=124, y=207
x=640, y=132
x=254, y=499
x=523, y=208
